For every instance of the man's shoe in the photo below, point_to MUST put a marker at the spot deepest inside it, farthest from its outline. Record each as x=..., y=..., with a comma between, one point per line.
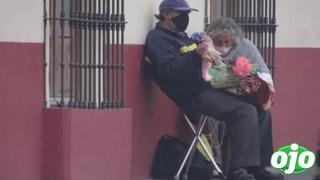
x=265, y=174
x=240, y=174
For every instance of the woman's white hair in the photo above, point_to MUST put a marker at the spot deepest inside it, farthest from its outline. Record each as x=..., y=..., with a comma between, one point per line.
x=225, y=26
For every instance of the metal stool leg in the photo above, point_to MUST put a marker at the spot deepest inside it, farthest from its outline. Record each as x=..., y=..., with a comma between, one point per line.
x=189, y=154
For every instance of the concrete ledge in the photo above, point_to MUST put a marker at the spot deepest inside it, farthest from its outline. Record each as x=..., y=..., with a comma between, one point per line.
x=87, y=144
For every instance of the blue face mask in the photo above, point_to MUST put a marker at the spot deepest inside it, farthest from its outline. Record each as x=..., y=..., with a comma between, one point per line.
x=181, y=21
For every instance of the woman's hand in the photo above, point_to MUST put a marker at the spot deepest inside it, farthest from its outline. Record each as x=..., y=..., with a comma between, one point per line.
x=202, y=48
x=269, y=103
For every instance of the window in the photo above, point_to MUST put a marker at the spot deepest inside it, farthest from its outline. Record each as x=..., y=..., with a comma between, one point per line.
x=84, y=53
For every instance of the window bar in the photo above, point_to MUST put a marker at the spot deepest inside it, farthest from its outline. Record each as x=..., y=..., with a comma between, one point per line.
x=90, y=54
x=232, y=9
x=122, y=53
x=228, y=8
x=85, y=54
x=113, y=56
x=62, y=16
x=250, y=20
x=246, y=19
x=273, y=22
x=242, y=12
x=80, y=53
x=94, y=65
x=44, y=63
x=117, y=66
x=258, y=26
x=205, y=20
x=100, y=13
x=269, y=36
x=71, y=64
x=104, y=57
x=108, y=61
x=237, y=19
x=53, y=67
x=237, y=8
x=222, y=7
x=265, y=31
x=254, y=22
x=77, y=51
x=261, y=27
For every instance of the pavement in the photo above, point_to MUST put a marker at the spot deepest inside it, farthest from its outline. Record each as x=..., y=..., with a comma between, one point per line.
x=309, y=175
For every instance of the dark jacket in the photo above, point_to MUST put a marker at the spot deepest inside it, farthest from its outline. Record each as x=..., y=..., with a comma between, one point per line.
x=176, y=66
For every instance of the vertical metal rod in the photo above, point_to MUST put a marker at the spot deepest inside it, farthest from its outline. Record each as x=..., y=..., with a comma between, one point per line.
x=246, y=18
x=53, y=67
x=231, y=8
x=265, y=31
x=86, y=54
x=100, y=56
x=117, y=74
x=242, y=11
x=108, y=64
x=227, y=8
x=273, y=36
x=79, y=57
x=44, y=62
x=237, y=13
x=250, y=28
x=94, y=67
x=258, y=27
x=222, y=7
x=254, y=21
x=99, y=53
x=76, y=56
x=122, y=54
x=113, y=56
x=205, y=14
x=269, y=35
x=89, y=67
x=71, y=64
x=104, y=57
x=62, y=16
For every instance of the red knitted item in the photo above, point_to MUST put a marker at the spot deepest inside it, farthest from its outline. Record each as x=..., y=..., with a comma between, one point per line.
x=256, y=89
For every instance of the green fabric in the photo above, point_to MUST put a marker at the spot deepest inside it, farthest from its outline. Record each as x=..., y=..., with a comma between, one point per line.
x=223, y=77
x=207, y=145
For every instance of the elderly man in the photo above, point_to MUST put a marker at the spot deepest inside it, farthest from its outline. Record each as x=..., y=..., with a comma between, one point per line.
x=176, y=62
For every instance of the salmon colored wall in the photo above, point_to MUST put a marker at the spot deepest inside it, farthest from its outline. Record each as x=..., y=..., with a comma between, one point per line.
x=24, y=124
x=87, y=144
x=20, y=111
x=153, y=113
x=296, y=110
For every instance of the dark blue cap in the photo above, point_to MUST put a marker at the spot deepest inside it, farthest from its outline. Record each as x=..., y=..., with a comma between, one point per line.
x=179, y=5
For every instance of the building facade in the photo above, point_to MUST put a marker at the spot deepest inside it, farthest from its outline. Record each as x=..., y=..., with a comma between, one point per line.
x=42, y=143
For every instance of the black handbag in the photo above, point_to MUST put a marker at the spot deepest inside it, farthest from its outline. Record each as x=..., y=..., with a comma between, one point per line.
x=169, y=156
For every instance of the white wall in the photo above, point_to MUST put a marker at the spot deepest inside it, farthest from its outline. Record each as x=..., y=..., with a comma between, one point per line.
x=21, y=20
x=140, y=18
x=298, y=20
x=299, y=23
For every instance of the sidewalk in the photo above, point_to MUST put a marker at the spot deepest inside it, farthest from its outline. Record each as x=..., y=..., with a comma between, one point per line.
x=309, y=175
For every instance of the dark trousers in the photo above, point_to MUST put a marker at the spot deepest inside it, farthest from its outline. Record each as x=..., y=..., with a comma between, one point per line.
x=249, y=125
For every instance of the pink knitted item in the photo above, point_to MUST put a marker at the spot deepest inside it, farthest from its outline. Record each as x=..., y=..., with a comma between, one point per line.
x=242, y=67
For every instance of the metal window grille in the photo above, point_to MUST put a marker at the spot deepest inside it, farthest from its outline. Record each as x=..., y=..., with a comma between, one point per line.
x=84, y=63
x=257, y=19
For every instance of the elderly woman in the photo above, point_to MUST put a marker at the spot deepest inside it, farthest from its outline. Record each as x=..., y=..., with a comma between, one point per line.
x=228, y=39
x=249, y=123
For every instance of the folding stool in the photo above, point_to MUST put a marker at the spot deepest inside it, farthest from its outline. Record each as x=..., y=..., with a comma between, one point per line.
x=197, y=138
